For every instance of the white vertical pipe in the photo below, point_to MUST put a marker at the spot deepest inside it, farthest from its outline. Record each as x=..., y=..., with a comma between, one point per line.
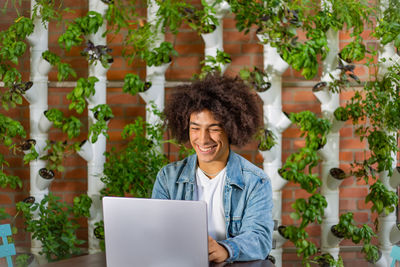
x=214, y=41
x=276, y=121
x=155, y=74
x=37, y=98
x=330, y=152
x=96, y=162
x=386, y=222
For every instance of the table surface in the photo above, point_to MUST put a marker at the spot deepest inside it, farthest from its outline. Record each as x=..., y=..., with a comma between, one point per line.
x=99, y=260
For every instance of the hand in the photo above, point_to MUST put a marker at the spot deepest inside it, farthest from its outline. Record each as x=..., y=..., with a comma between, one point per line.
x=216, y=252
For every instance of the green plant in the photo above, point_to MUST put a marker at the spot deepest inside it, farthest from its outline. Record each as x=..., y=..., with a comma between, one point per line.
x=159, y=55
x=278, y=22
x=257, y=78
x=12, y=47
x=315, y=131
x=13, y=96
x=56, y=151
x=83, y=90
x=341, y=114
x=299, y=168
x=11, y=181
x=103, y=114
x=70, y=125
x=133, y=84
x=213, y=64
x=388, y=28
x=64, y=69
x=55, y=224
x=346, y=228
x=266, y=138
x=133, y=170
x=383, y=200
x=47, y=10
x=326, y=260
x=81, y=26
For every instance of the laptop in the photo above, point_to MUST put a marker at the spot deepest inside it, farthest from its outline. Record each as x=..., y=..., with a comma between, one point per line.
x=155, y=233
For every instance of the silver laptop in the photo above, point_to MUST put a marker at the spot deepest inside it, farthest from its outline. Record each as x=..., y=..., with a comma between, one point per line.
x=155, y=233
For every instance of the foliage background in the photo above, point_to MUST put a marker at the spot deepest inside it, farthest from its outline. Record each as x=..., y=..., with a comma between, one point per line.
x=245, y=51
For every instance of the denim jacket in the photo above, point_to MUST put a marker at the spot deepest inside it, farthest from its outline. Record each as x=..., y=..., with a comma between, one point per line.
x=247, y=203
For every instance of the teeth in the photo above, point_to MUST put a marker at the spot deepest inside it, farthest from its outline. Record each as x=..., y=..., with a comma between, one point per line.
x=205, y=149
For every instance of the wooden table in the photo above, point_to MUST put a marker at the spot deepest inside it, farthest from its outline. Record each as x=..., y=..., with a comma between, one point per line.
x=99, y=260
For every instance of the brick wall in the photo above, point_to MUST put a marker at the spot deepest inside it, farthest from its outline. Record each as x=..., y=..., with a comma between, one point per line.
x=245, y=51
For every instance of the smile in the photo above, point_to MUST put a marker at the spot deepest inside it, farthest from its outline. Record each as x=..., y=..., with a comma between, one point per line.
x=206, y=149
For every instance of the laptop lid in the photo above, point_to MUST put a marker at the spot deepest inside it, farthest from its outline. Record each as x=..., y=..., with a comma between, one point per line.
x=155, y=233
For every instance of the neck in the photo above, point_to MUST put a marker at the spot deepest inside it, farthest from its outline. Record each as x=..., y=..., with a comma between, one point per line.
x=212, y=169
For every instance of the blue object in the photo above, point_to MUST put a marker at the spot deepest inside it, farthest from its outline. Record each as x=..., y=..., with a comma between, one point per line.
x=6, y=250
x=395, y=254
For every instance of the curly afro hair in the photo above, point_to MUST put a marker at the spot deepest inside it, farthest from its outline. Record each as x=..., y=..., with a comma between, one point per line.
x=232, y=103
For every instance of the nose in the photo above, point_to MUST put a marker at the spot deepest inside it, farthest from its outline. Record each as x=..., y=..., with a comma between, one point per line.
x=204, y=136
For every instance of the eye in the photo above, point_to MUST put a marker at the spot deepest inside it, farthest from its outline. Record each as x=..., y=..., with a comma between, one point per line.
x=215, y=130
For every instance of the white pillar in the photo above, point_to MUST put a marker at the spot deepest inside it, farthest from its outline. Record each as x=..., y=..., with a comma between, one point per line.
x=37, y=98
x=155, y=74
x=214, y=40
x=96, y=161
x=330, y=152
x=276, y=121
x=386, y=223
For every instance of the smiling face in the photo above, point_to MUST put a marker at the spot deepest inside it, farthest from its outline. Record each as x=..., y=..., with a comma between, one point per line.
x=209, y=140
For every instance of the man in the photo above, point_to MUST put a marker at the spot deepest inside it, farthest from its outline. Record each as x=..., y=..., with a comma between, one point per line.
x=213, y=114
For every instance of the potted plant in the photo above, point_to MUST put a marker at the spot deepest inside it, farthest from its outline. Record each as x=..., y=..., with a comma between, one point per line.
x=64, y=69
x=102, y=114
x=133, y=84
x=257, y=78
x=56, y=224
x=84, y=90
x=26, y=145
x=214, y=64
x=57, y=150
x=94, y=53
x=160, y=55
x=266, y=138
x=45, y=177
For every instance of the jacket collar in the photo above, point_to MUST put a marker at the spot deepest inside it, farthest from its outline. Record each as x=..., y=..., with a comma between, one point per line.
x=233, y=171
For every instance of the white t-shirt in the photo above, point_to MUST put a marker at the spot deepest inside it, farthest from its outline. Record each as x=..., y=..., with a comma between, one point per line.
x=211, y=191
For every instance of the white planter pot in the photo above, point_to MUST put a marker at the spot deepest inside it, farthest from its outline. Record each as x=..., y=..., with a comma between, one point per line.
x=86, y=151
x=43, y=182
x=44, y=124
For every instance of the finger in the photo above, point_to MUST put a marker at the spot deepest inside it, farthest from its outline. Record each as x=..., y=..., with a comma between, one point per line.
x=212, y=256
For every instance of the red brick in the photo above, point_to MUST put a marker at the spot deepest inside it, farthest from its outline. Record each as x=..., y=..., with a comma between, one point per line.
x=347, y=204
x=353, y=192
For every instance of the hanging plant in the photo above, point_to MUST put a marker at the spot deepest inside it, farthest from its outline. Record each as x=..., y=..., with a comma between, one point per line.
x=13, y=96
x=71, y=125
x=133, y=84
x=213, y=64
x=299, y=168
x=279, y=22
x=82, y=26
x=266, y=138
x=94, y=53
x=160, y=55
x=102, y=114
x=388, y=28
x=347, y=229
x=56, y=151
x=172, y=13
x=83, y=90
x=257, y=78
x=64, y=69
